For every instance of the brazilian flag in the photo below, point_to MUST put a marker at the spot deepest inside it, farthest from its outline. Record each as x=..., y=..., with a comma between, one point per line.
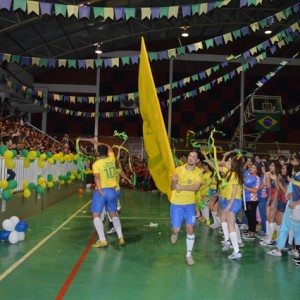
x=269, y=121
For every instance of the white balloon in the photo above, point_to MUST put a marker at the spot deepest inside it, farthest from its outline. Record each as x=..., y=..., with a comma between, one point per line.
x=21, y=236
x=88, y=186
x=15, y=220
x=8, y=225
x=13, y=237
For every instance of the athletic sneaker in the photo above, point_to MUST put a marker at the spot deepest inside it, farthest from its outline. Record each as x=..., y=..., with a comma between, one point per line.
x=190, y=261
x=249, y=237
x=110, y=231
x=226, y=246
x=260, y=234
x=215, y=226
x=100, y=244
x=121, y=242
x=234, y=255
x=274, y=252
x=292, y=252
x=266, y=243
x=174, y=238
x=296, y=259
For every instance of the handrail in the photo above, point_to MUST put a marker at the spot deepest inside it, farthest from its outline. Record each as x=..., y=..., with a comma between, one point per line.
x=50, y=137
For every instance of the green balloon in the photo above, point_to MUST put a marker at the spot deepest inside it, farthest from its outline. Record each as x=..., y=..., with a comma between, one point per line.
x=38, y=153
x=69, y=173
x=25, y=152
x=40, y=190
x=12, y=184
x=2, y=149
x=31, y=186
x=15, y=153
x=49, y=177
x=49, y=154
x=6, y=194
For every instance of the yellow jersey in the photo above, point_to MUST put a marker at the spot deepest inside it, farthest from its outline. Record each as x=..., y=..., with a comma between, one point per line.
x=185, y=177
x=228, y=189
x=106, y=168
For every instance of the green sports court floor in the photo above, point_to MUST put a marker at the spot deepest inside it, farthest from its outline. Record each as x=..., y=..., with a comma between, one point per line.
x=56, y=260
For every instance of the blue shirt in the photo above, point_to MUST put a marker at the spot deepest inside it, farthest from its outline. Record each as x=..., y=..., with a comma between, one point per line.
x=251, y=181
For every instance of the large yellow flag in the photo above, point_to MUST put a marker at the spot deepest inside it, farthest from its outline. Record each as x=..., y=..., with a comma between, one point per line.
x=160, y=159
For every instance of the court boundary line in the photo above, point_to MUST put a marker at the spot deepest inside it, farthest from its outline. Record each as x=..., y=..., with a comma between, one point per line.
x=76, y=268
x=40, y=244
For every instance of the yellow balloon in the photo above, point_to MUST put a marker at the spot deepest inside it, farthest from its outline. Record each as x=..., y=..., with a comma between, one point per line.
x=43, y=156
x=9, y=164
x=41, y=180
x=74, y=172
x=32, y=155
x=25, y=184
x=51, y=161
x=26, y=163
x=41, y=163
x=4, y=183
x=8, y=154
x=62, y=182
x=44, y=185
x=50, y=184
x=56, y=156
x=75, y=157
x=62, y=159
x=72, y=177
x=26, y=193
x=79, y=176
x=69, y=181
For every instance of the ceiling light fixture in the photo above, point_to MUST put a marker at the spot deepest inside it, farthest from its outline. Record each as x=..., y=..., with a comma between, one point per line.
x=184, y=33
x=268, y=31
x=98, y=49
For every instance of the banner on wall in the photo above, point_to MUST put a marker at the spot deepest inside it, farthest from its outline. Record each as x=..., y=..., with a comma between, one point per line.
x=269, y=121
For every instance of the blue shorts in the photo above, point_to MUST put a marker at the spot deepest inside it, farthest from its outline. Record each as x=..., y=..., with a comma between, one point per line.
x=182, y=212
x=281, y=205
x=235, y=207
x=118, y=194
x=108, y=199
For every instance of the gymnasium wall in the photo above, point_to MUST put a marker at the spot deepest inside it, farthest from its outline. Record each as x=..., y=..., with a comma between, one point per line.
x=191, y=114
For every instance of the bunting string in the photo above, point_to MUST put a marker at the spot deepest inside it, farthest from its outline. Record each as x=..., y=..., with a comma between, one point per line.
x=288, y=37
x=40, y=8
x=26, y=61
x=259, y=84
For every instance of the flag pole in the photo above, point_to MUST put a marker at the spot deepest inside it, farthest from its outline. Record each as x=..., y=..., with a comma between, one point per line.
x=170, y=98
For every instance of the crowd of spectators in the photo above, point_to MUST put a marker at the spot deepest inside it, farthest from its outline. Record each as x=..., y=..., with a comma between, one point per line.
x=13, y=127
